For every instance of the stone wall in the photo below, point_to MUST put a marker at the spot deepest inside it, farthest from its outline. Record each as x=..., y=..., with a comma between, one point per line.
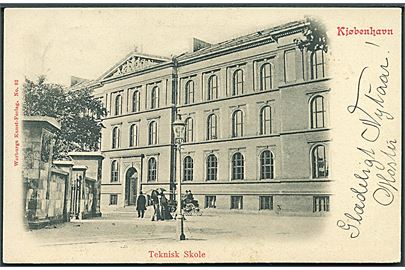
x=56, y=201
x=44, y=185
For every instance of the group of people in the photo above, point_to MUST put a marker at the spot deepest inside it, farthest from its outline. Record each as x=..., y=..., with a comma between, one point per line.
x=160, y=206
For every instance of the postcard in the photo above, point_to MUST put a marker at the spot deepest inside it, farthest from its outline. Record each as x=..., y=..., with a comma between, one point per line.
x=211, y=134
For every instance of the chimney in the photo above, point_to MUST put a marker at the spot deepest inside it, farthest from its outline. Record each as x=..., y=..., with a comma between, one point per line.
x=76, y=80
x=199, y=44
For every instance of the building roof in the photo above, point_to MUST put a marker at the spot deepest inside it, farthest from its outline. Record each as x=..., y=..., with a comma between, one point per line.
x=85, y=154
x=83, y=84
x=44, y=119
x=63, y=162
x=60, y=171
x=80, y=167
x=273, y=33
x=134, y=61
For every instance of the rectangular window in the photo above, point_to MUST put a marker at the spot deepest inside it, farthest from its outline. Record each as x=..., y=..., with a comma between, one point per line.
x=212, y=90
x=136, y=100
x=188, y=169
x=114, y=171
x=321, y=204
x=212, y=123
x=114, y=176
x=154, y=97
x=318, y=112
x=210, y=201
x=212, y=167
x=113, y=199
x=118, y=104
x=265, y=202
x=289, y=66
x=318, y=64
x=236, y=202
x=133, y=135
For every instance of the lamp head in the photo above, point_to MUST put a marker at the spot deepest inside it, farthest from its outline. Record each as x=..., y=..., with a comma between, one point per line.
x=179, y=128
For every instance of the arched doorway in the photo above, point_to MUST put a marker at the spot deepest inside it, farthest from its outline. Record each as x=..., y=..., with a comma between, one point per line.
x=131, y=179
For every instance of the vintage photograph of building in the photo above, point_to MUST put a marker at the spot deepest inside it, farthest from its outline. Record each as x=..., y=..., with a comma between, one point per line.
x=256, y=129
x=158, y=134
x=237, y=129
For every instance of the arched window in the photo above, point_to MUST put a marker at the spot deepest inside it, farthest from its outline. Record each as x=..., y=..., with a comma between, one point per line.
x=135, y=101
x=189, y=98
x=115, y=138
x=237, y=124
x=319, y=162
x=266, y=165
x=238, y=167
x=265, y=120
x=189, y=129
x=317, y=65
x=154, y=98
x=114, y=171
x=152, y=170
x=212, y=125
x=188, y=169
x=318, y=112
x=153, y=136
x=266, y=79
x=237, y=82
x=118, y=105
x=133, y=135
x=212, y=87
x=212, y=167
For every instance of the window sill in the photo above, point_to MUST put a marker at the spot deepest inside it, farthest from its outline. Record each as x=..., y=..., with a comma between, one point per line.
x=112, y=183
x=255, y=92
x=255, y=181
x=108, y=117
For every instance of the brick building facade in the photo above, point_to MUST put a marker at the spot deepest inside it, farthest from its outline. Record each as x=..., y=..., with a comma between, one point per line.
x=257, y=128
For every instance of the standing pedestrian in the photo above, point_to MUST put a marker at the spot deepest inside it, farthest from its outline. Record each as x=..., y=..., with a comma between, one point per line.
x=165, y=207
x=141, y=205
x=155, y=202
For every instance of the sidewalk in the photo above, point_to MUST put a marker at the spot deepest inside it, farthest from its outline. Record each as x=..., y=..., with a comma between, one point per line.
x=122, y=237
x=211, y=225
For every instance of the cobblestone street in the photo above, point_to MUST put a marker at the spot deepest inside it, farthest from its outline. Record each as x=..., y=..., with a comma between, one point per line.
x=124, y=237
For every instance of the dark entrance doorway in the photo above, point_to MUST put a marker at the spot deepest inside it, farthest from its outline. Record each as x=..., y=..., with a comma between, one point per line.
x=131, y=179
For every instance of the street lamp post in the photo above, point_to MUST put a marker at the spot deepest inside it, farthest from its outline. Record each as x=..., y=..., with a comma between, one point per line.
x=179, y=134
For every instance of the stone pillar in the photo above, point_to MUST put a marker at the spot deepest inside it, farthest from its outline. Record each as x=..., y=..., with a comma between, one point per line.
x=93, y=162
x=67, y=166
x=39, y=132
x=97, y=186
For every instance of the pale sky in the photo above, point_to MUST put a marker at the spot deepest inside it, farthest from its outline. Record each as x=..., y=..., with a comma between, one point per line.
x=86, y=42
